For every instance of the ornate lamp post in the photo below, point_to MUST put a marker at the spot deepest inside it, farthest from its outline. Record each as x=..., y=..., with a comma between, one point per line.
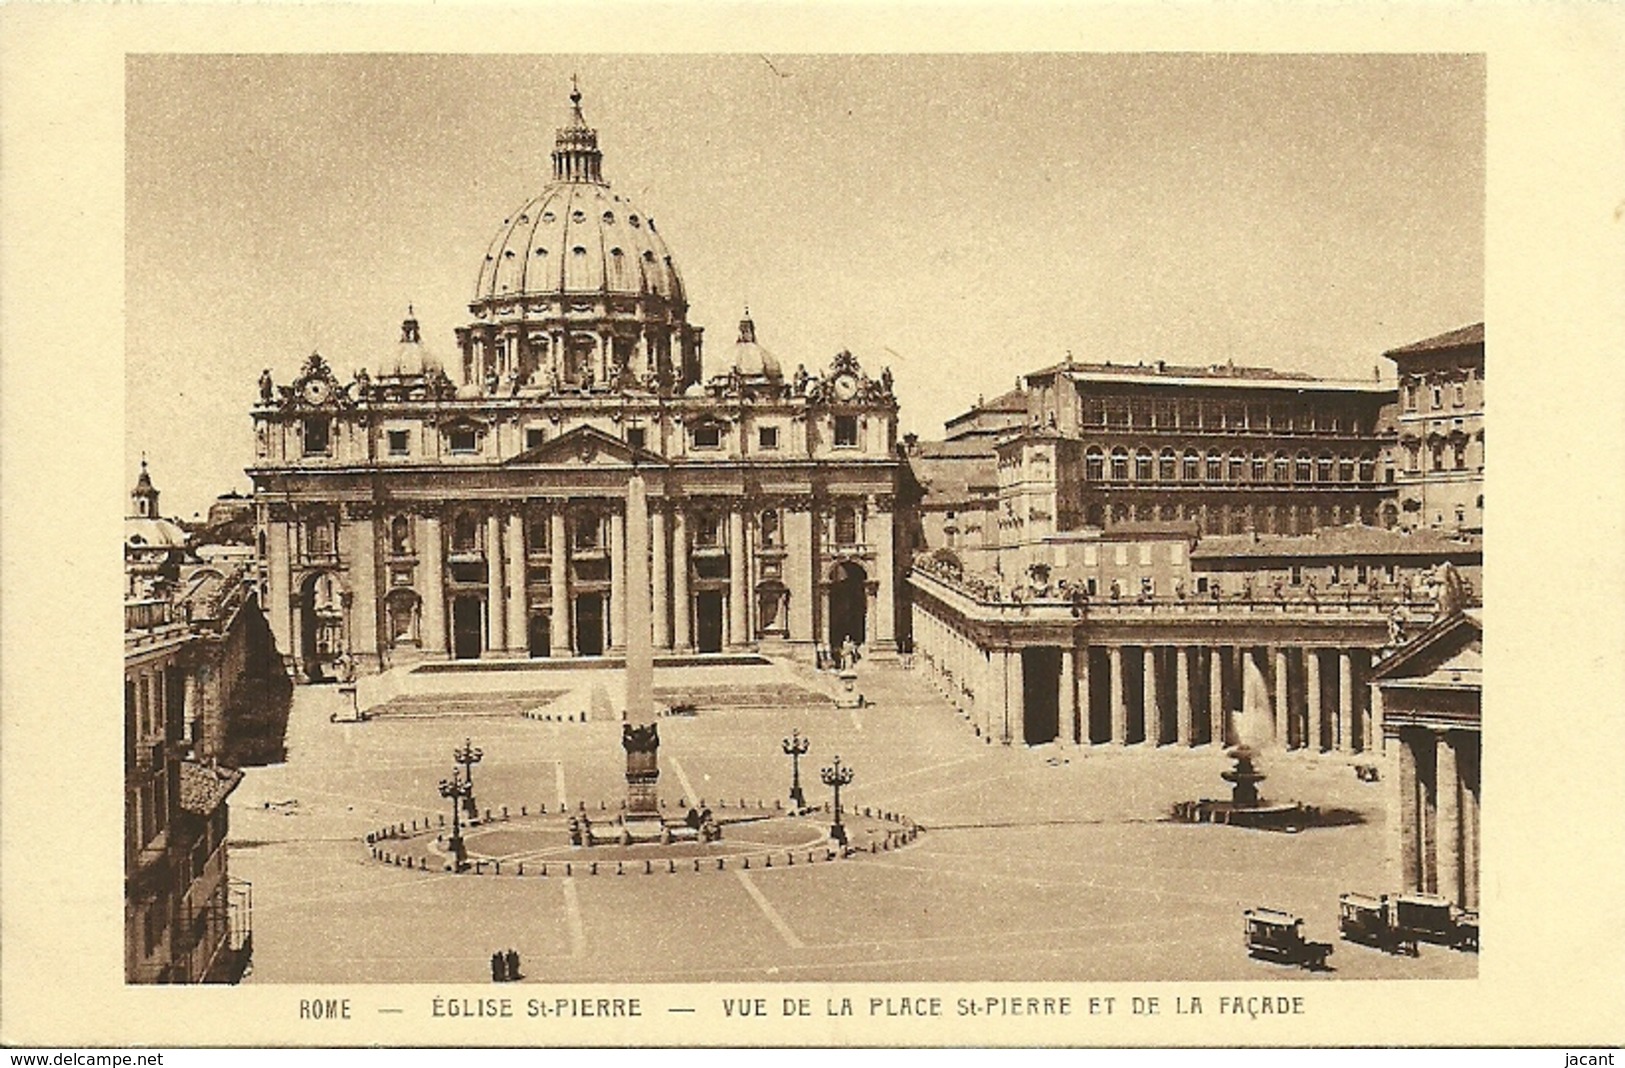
x=795, y=747
x=837, y=777
x=456, y=789
x=468, y=756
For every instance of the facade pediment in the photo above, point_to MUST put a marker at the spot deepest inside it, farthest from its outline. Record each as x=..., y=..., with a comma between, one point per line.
x=586, y=446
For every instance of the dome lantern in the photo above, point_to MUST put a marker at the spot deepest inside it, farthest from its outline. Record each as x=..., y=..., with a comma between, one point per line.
x=576, y=157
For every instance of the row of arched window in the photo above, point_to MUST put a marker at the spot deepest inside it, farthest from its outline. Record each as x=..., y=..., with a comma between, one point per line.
x=1142, y=465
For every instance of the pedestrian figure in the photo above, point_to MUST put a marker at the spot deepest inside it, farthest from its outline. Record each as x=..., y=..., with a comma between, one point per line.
x=498, y=966
x=511, y=959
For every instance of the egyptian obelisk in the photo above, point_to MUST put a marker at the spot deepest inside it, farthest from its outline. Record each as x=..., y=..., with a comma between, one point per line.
x=639, y=735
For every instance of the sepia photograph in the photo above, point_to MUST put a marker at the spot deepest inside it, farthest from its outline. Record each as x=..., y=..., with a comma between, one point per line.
x=1061, y=561
x=741, y=526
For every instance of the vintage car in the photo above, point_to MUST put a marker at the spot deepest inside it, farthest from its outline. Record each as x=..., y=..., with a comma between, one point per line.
x=1275, y=935
x=1370, y=921
x=1426, y=918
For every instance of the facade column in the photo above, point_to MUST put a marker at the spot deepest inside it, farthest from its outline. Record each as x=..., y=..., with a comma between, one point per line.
x=496, y=617
x=432, y=563
x=1370, y=710
x=361, y=553
x=1283, y=690
x=558, y=612
x=279, y=592
x=617, y=576
x=659, y=581
x=1215, y=696
x=1066, y=733
x=518, y=572
x=799, y=553
x=1151, y=716
x=1119, y=696
x=738, y=596
x=682, y=638
x=1346, y=712
x=1318, y=736
x=883, y=638
x=1447, y=791
x=1186, y=727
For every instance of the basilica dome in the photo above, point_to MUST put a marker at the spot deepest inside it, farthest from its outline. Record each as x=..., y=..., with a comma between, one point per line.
x=577, y=235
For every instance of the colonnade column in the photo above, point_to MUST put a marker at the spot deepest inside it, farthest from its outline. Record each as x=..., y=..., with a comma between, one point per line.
x=1185, y=729
x=1015, y=702
x=1318, y=736
x=1346, y=712
x=879, y=531
x=658, y=580
x=1119, y=696
x=1447, y=792
x=363, y=637
x=682, y=639
x=738, y=597
x=279, y=592
x=558, y=612
x=518, y=574
x=432, y=560
x=1067, y=732
x=1370, y=711
x=1283, y=707
x=617, y=578
x=496, y=616
x=1215, y=696
x=1151, y=712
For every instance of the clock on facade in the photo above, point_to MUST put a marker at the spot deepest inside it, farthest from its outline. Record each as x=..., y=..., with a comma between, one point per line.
x=317, y=391
x=846, y=387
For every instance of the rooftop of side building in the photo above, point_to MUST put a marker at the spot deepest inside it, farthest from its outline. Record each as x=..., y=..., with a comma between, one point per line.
x=1352, y=540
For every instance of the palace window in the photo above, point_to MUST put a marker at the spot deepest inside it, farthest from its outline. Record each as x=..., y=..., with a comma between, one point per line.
x=589, y=531
x=1296, y=575
x=1345, y=469
x=318, y=435
x=319, y=537
x=1301, y=470
x=1460, y=445
x=1410, y=396
x=636, y=436
x=399, y=442
x=1119, y=464
x=1191, y=469
x=463, y=439
x=768, y=529
x=1215, y=467
x=1165, y=466
x=1323, y=469
x=1438, y=397
x=846, y=431
x=1461, y=395
x=1142, y=465
x=400, y=536
x=1238, y=467
x=707, y=436
x=1094, y=464
x=1260, y=467
x=1282, y=468
x=534, y=437
x=1438, y=454
x=1368, y=468
x=767, y=437
x=537, y=531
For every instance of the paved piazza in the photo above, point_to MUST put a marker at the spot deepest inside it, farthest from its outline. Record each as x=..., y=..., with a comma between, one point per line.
x=1037, y=864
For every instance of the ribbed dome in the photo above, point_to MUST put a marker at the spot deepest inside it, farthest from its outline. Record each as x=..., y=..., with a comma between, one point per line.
x=578, y=237
x=750, y=358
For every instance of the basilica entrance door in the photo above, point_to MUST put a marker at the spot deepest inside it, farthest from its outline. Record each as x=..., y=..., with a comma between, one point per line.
x=590, y=624
x=848, y=604
x=467, y=627
x=541, y=635
x=708, y=621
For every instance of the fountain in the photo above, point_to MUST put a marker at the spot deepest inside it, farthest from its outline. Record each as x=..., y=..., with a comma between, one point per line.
x=1246, y=807
x=1243, y=778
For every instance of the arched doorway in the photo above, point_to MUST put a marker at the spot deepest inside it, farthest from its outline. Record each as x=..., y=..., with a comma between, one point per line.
x=772, y=609
x=848, y=604
x=321, y=623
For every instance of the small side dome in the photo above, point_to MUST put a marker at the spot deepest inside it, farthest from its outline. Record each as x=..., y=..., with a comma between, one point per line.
x=410, y=358
x=750, y=359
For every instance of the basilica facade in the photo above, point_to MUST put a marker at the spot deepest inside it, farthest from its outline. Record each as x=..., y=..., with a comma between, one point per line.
x=475, y=507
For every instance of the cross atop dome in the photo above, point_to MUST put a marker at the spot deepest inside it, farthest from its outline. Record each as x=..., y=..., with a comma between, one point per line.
x=575, y=147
